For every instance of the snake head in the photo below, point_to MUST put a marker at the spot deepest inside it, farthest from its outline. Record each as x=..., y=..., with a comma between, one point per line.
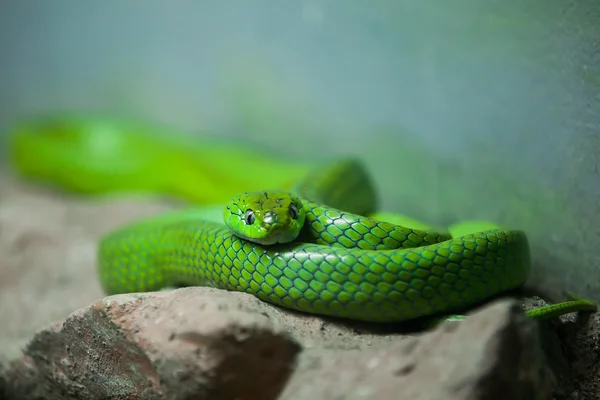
x=265, y=217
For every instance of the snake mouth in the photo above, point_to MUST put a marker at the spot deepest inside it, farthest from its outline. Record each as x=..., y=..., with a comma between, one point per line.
x=278, y=237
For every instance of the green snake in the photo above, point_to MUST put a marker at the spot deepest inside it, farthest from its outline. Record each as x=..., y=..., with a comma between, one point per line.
x=315, y=246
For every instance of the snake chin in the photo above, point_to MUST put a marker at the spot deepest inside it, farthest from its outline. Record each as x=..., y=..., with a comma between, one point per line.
x=275, y=238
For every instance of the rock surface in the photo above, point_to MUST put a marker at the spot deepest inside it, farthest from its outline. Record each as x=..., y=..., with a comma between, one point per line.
x=495, y=354
x=201, y=343
x=178, y=345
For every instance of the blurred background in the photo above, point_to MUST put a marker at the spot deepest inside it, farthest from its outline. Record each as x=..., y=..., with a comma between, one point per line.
x=461, y=110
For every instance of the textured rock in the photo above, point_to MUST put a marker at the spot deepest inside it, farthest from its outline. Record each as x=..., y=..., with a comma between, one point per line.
x=187, y=344
x=207, y=344
x=495, y=354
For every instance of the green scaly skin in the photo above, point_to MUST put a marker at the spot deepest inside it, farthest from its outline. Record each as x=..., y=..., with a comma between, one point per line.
x=342, y=264
x=556, y=310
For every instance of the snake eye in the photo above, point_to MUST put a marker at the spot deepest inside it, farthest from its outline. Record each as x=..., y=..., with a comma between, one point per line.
x=249, y=217
x=293, y=211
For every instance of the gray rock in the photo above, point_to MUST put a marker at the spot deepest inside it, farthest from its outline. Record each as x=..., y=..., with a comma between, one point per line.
x=208, y=344
x=185, y=344
x=494, y=354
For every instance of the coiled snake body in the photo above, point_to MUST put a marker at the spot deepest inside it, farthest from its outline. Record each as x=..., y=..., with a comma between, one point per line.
x=312, y=249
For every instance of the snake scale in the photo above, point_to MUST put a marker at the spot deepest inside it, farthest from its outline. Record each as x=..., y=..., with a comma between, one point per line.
x=312, y=248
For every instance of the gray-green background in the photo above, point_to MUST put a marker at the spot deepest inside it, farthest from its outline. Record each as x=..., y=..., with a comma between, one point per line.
x=461, y=109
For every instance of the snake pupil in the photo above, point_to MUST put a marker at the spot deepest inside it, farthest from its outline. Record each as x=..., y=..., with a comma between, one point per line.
x=293, y=211
x=249, y=217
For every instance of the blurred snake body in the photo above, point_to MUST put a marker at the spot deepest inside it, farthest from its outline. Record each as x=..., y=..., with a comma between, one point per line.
x=310, y=247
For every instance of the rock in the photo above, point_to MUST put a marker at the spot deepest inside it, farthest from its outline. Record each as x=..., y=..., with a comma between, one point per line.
x=494, y=354
x=200, y=343
x=186, y=344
